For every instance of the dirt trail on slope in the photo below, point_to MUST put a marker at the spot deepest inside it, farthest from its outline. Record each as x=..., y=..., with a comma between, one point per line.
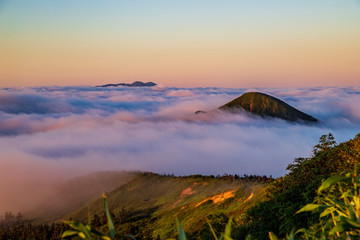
x=186, y=192
x=217, y=199
x=250, y=197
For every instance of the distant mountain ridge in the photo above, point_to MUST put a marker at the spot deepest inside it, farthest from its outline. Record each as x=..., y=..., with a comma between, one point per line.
x=134, y=84
x=267, y=106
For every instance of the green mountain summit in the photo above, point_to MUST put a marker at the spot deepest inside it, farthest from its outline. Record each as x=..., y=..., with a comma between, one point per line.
x=267, y=106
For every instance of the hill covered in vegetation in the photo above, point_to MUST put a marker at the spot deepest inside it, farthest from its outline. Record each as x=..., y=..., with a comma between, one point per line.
x=148, y=205
x=286, y=195
x=265, y=105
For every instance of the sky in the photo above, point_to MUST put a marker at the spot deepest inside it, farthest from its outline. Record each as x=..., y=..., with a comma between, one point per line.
x=187, y=43
x=51, y=134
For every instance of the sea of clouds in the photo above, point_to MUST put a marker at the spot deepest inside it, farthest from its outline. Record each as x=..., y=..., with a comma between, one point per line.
x=49, y=134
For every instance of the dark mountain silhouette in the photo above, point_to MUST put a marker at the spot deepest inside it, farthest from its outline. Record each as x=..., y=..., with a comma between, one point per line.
x=200, y=112
x=267, y=106
x=134, y=84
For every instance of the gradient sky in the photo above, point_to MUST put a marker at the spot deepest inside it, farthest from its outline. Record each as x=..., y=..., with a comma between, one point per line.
x=185, y=43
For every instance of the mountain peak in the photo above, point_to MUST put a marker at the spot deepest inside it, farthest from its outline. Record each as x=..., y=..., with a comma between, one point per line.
x=265, y=105
x=134, y=84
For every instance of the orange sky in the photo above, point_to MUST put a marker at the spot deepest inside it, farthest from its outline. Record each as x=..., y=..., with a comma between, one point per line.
x=293, y=45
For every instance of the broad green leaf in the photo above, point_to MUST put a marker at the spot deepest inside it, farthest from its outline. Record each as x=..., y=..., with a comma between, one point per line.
x=326, y=212
x=80, y=228
x=74, y=224
x=312, y=207
x=82, y=235
x=109, y=218
x=330, y=182
x=353, y=223
x=84, y=232
x=69, y=233
x=67, y=222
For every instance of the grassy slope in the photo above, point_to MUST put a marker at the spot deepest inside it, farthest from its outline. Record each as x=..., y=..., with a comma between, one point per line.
x=162, y=199
x=267, y=106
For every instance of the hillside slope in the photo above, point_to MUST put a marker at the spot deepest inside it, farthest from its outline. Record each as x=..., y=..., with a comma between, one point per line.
x=267, y=106
x=149, y=204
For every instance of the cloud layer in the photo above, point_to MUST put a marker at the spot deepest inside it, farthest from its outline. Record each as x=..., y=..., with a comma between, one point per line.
x=49, y=134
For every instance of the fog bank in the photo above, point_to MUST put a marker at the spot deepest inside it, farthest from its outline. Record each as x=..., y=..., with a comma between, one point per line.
x=50, y=134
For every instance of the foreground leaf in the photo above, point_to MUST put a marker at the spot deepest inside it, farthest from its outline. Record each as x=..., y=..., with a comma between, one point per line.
x=109, y=218
x=212, y=230
x=272, y=236
x=228, y=229
x=181, y=231
x=312, y=207
x=69, y=233
x=330, y=182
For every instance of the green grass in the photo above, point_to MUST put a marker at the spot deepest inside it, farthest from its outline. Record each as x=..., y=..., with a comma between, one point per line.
x=154, y=201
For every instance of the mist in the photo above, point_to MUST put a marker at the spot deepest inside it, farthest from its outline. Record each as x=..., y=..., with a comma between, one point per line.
x=49, y=135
